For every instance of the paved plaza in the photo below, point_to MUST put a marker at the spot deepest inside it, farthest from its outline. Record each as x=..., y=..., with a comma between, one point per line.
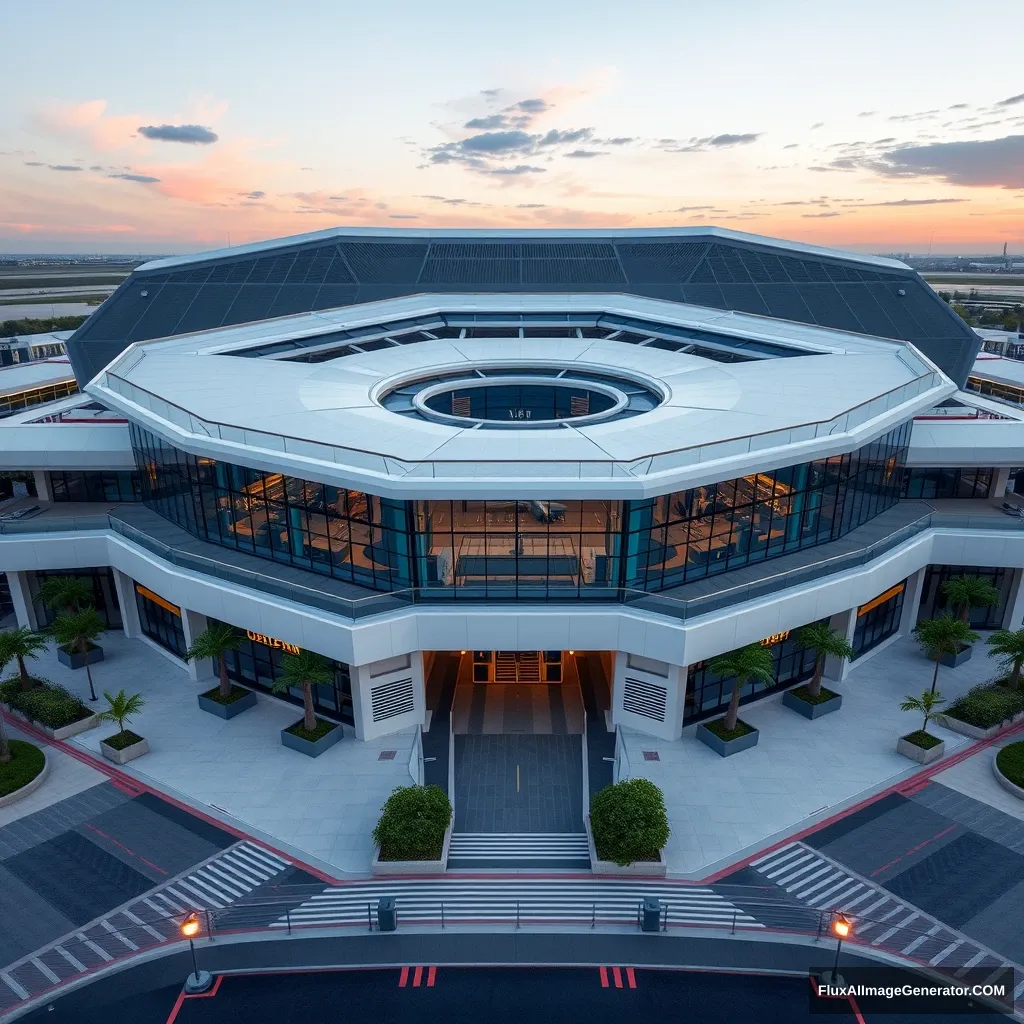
x=801, y=772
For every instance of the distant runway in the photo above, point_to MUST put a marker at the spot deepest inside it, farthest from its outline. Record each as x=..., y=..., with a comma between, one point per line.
x=44, y=310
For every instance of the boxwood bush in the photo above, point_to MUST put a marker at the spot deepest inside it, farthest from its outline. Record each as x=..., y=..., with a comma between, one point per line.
x=629, y=822
x=46, y=703
x=987, y=705
x=26, y=763
x=412, y=823
x=1010, y=761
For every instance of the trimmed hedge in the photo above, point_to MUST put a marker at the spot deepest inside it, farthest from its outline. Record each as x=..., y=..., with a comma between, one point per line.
x=120, y=740
x=46, y=703
x=922, y=739
x=629, y=822
x=237, y=693
x=412, y=823
x=804, y=693
x=26, y=762
x=1010, y=761
x=323, y=727
x=717, y=726
x=986, y=705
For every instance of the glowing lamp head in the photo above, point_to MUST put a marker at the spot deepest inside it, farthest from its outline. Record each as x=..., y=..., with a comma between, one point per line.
x=190, y=926
x=572, y=652
x=841, y=927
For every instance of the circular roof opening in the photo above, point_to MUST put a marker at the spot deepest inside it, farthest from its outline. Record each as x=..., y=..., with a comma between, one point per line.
x=521, y=397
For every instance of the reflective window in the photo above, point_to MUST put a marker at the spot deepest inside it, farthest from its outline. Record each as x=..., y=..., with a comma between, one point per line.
x=68, y=485
x=879, y=619
x=104, y=595
x=947, y=483
x=933, y=601
x=22, y=400
x=160, y=621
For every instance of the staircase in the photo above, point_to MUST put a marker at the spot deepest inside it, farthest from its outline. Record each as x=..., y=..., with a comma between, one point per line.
x=529, y=666
x=519, y=850
x=517, y=667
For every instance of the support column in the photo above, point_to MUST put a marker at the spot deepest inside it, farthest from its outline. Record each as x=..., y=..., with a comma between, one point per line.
x=1013, y=617
x=388, y=695
x=999, y=484
x=125, y=587
x=42, y=479
x=21, y=598
x=844, y=623
x=192, y=624
x=648, y=695
x=912, y=601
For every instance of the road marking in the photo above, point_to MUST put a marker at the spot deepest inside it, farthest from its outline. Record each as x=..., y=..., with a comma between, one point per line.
x=810, y=878
x=942, y=954
x=822, y=896
x=73, y=960
x=840, y=898
x=517, y=778
x=184, y=900
x=866, y=895
x=921, y=940
x=431, y=975
x=775, y=853
x=44, y=971
x=14, y=986
x=403, y=977
x=789, y=867
x=117, y=935
x=98, y=950
x=142, y=924
x=193, y=886
x=603, y=972
x=973, y=962
x=162, y=911
x=818, y=885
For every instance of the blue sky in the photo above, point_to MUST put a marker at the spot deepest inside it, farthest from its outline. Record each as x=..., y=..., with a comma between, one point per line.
x=170, y=127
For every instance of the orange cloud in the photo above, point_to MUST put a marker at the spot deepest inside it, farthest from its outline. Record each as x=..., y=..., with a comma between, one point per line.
x=89, y=123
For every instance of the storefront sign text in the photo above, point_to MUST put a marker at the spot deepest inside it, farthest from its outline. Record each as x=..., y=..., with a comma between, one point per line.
x=272, y=641
x=775, y=638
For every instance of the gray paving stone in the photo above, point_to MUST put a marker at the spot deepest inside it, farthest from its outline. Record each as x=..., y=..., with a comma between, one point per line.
x=986, y=820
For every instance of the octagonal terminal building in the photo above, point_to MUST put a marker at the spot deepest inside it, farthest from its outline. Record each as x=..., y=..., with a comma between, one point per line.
x=514, y=482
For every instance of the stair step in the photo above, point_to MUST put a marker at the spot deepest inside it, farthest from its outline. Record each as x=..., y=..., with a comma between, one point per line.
x=510, y=848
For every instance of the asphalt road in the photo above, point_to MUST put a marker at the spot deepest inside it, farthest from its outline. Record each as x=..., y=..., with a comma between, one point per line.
x=479, y=995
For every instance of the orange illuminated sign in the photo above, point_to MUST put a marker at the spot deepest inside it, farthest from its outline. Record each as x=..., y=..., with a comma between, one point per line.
x=272, y=641
x=776, y=638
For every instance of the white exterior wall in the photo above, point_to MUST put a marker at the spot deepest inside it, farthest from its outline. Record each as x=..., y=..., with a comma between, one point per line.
x=648, y=695
x=388, y=695
x=21, y=597
x=125, y=588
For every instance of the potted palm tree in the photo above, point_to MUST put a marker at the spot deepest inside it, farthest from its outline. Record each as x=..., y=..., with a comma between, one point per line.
x=224, y=700
x=965, y=593
x=75, y=635
x=944, y=640
x=729, y=735
x=813, y=700
x=310, y=735
x=921, y=745
x=69, y=595
x=124, y=745
x=1008, y=646
x=19, y=644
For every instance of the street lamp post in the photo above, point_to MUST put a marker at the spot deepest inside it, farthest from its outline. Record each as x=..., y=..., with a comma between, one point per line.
x=198, y=981
x=841, y=929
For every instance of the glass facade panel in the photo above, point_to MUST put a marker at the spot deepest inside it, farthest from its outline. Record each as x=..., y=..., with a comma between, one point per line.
x=22, y=400
x=933, y=601
x=708, y=694
x=160, y=621
x=521, y=549
x=73, y=486
x=878, y=620
x=104, y=595
x=947, y=483
x=257, y=663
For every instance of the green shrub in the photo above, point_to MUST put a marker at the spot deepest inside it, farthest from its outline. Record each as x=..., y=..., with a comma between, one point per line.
x=922, y=739
x=629, y=821
x=1010, y=761
x=717, y=726
x=987, y=705
x=412, y=823
x=49, y=705
x=120, y=740
x=26, y=763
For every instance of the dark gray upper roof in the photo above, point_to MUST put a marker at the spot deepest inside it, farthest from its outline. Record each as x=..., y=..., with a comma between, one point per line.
x=707, y=268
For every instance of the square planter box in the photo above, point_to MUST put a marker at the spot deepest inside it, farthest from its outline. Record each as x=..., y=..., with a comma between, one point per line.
x=726, y=747
x=227, y=711
x=76, y=660
x=811, y=711
x=125, y=755
x=64, y=731
x=976, y=732
x=650, y=868
x=414, y=867
x=919, y=754
x=953, y=660
x=311, y=748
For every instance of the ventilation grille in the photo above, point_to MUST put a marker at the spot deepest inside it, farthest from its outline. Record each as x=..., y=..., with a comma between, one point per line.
x=391, y=699
x=648, y=700
x=461, y=405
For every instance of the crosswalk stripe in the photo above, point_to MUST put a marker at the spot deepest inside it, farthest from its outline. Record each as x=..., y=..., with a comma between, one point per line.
x=105, y=924
x=231, y=869
x=204, y=886
x=821, y=896
x=13, y=986
x=142, y=924
x=943, y=953
x=1018, y=991
x=866, y=895
x=250, y=863
x=162, y=911
x=200, y=897
x=814, y=862
x=814, y=888
x=809, y=878
x=73, y=960
x=920, y=940
x=840, y=899
x=44, y=971
x=214, y=883
x=183, y=900
x=973, y=962
x=775, y=853
x=97, y=949
x=271, y=860
x=230, y=877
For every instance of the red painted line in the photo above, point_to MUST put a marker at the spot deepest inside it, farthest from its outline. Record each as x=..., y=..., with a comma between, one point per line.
x=155, y=867
x=431, y=975
x=403, y=978
x=856, y=1010
x=938, y=835
x=617, y=976
x=417, y=977
x=111, y=839
x=604, y=976
x=211, y=993
x=630, y=977
x=177, y=1007
x=885, y=867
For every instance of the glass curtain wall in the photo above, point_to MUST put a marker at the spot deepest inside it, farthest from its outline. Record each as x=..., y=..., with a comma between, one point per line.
x=75, y=486
x=529, y=548
x=104, y=595
x=933, y=601
x=691, y=534
x=947, y=483
x=878, y=620
x=161, y=621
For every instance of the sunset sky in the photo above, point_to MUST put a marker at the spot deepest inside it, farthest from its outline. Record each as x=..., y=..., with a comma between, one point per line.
x=159, y=126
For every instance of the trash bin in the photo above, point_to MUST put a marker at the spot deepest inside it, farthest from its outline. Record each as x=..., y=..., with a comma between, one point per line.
x=650, y=914
x=387, y=914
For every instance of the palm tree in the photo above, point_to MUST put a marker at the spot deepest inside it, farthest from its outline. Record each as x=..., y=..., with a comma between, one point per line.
x=967, y=592
x=1008, y=646
x=943, y=635
x=21, y=643
x=76, y=633
x=825, y=642
x=65, y=593
x=122, y=707
x=214, y=642
x=925, y=704
x=745, y=663
x=305, y=669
